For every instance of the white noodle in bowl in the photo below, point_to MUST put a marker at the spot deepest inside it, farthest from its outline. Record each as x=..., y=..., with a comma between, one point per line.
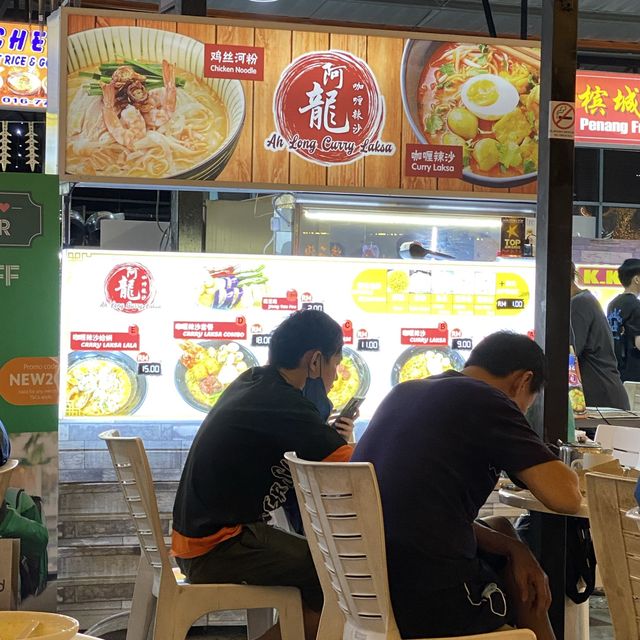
x=195, y=142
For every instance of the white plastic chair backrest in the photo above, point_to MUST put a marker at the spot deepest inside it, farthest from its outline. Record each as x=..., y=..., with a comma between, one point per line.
x=633, y=391
x=5, y=476
x=342, y=517
x=625, y=442
x=617, y=544
x=134, y=477
x=634, y=516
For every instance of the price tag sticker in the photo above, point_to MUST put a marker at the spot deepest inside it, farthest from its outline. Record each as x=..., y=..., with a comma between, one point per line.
x=368, y=344
x=260, y=339
x=509, y=303
x=149, y=369
x=462, y=344
x=313, y=306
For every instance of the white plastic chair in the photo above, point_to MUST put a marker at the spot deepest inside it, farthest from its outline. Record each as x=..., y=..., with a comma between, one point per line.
x=624, y=441
x=158, y=585
x=616, y=540
x=342, y=517
x=5, y=476
x=633, y=391
x=634, y=514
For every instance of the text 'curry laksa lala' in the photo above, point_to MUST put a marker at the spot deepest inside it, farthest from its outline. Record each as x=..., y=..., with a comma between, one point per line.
x=136, y=119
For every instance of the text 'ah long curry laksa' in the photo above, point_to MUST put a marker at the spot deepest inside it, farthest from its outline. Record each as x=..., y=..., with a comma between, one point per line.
x=484, y=98
x=138, y=119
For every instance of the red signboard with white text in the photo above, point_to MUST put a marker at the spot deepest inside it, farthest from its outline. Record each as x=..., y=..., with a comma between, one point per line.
x=607, y=108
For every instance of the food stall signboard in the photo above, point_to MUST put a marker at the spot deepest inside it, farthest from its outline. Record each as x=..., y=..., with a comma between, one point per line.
x=607, y=109
x=23, y=66
x=150, y=99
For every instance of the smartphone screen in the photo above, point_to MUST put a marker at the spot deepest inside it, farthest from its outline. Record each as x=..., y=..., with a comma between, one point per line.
x=351, y=408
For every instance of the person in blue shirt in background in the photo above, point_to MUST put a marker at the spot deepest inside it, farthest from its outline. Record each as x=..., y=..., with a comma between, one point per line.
x=5, y=445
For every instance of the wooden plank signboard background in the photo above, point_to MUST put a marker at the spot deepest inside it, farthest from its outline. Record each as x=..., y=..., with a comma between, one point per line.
x=251, y=162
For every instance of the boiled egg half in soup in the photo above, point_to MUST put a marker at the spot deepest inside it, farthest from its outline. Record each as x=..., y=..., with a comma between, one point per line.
x=489, y=97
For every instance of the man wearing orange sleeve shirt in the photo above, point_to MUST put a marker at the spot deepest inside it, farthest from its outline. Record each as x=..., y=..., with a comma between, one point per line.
x=236, y=475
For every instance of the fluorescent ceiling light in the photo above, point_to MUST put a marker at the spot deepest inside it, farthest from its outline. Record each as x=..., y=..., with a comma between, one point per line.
x=263, y=0
x=399, y=219
x=451, y=207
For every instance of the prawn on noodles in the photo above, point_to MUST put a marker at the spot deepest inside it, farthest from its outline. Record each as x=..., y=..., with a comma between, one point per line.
x=139, y=119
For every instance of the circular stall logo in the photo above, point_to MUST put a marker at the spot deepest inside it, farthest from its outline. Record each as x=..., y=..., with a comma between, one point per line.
x=129, y=288
x=328, y=109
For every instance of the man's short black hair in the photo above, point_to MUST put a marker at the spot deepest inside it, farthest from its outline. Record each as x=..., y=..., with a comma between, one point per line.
x=627, y=270
x=504, y=352
x=301, y=332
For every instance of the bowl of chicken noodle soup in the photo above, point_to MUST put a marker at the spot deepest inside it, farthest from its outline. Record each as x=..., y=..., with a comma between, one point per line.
x=139, y=106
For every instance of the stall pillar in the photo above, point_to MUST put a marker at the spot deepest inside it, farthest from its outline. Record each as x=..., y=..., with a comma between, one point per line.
x=187, y=221
x=187, y=207
x=553, y=267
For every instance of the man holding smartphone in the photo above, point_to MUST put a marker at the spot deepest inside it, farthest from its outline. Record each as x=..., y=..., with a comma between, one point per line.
x=236, y=475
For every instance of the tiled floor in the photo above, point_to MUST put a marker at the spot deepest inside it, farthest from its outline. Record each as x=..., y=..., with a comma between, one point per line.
x=599, y=620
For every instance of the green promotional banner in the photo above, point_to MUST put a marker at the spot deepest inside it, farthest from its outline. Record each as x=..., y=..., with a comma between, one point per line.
x=29, y=302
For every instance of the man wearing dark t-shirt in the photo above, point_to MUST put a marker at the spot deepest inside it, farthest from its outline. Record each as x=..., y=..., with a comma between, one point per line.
x=438, y=446
x=623, y=314
x=235, y=474
x=593, y=344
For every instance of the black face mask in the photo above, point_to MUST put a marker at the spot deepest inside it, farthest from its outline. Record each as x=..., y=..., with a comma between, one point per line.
x=315, y=391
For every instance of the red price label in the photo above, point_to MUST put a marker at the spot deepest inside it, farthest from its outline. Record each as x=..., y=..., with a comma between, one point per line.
x=184, y=330
x=234, y=62
x=105, y=340
x=433, y=161
x=425, y=336
x=290, y=303
x=347, y=332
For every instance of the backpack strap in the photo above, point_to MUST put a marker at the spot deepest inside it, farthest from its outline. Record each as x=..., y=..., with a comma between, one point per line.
x=581, y=560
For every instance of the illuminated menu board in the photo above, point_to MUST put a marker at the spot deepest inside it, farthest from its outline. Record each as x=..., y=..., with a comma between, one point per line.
x=160, y=336
x=23, y=66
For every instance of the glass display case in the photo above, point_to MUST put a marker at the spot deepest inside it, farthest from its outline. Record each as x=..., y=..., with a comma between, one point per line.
x=354, y=228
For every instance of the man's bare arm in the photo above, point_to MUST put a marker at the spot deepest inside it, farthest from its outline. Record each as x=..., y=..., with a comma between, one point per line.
x=554, y=484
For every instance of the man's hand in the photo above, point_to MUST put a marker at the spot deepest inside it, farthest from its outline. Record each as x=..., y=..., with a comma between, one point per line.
x=344, y=426
x=525, y=579
x=530, y=580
